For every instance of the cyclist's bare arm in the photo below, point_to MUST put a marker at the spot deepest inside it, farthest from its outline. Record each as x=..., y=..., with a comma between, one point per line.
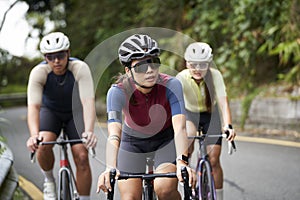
x=112, y=148
x=37, y=79
x=181, y=143
x=33, y=124
x=89, y=114
x=84, y=78
x=113, y=143
x=226, y=116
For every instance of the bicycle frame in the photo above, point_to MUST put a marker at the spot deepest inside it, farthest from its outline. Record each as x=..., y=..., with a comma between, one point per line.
x=206, y=188
x=66, y=180
x=67, y=188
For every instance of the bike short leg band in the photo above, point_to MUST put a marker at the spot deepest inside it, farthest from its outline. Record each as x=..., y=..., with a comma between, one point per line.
x=219, y=194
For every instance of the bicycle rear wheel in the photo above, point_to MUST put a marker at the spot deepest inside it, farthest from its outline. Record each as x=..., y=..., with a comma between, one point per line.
x=206, y=183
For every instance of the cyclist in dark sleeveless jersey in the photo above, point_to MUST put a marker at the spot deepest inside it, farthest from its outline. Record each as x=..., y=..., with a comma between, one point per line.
x=61, y=95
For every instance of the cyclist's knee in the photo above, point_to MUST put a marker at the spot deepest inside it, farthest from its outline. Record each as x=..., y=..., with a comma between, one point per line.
x=130, y=196
x=163, y=192
x=165, y=188
x=215, y=162
x=167, y=193
x=81, y=160
x=129, y=193
x=45, y=149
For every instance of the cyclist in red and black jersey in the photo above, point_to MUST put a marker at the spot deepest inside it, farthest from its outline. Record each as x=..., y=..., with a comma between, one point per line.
x=154, y=121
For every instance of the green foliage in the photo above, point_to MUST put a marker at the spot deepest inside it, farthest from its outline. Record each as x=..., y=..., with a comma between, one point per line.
x=2, y=149
x=3, y=122
x=248, y=37
x=246, y=104
x=254, y=42
x=14, y=72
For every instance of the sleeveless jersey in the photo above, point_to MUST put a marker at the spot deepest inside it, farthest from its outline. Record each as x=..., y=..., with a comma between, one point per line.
x=60, y=92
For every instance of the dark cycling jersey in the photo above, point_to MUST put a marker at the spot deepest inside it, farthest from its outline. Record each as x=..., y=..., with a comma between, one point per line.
x=153, y=111
x=56, y=92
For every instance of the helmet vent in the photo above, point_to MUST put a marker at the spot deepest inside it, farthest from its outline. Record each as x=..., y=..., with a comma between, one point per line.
x=130, y=46
x=137, y=42
x=146, y=41
x=198, y=52
x=137, y=47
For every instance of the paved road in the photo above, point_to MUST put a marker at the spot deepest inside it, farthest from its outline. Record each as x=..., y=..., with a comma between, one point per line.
x=256, y=171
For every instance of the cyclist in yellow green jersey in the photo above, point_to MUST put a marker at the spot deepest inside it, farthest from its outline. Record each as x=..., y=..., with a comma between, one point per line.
x=206, y=103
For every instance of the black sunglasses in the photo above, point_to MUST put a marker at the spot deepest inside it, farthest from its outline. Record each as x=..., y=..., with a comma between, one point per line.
x=142, y=67
x=59, y=55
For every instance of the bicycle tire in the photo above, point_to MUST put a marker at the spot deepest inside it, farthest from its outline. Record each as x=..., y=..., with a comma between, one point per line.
x=148, y=193
x=65, y=189
x=206, y=190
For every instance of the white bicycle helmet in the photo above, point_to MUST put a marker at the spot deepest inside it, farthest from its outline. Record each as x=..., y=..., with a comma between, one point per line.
x=198, y=52
x=136, y=47
x=54, y=42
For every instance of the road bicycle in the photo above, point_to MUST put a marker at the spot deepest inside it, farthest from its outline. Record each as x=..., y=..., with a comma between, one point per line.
x=205, y=189
x=148, y=178
x=67, y=189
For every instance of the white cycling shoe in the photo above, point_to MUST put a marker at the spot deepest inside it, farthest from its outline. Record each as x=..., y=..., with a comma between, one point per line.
x=49, y=191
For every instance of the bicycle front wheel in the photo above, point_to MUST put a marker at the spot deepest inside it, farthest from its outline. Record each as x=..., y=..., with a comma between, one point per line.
x=148, y=193
x=65, y=189
x=206, y=182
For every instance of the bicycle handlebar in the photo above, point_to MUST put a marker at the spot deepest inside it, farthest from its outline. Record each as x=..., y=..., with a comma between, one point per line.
x=124, y=176
x=188, y=193
x=231, y=144
x=62, y=142
x=112, y=180
x=147, y=176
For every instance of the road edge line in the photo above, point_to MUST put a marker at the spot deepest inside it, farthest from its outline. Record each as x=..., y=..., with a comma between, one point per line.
x=267, y=141
x=30, y=189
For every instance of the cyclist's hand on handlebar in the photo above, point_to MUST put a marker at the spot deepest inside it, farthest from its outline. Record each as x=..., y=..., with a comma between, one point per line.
x=32, y=143
x=191, y=172
x=91, y=139
x=231, y=135
x=104, y=181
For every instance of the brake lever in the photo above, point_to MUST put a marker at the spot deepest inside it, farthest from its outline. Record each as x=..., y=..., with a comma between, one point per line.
x=91, y=150
x=32, y=155
x=231, y=144
x=112, y=180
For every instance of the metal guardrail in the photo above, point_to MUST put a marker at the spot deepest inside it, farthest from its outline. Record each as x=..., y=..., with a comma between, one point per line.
x=13, y=97
x=8, y=176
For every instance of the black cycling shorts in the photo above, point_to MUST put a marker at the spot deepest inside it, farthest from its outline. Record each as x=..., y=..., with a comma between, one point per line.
x=210, y=123
x=55, y=121
x=134, y=151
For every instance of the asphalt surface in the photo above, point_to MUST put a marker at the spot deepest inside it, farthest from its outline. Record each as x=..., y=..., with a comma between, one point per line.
x=260, y=169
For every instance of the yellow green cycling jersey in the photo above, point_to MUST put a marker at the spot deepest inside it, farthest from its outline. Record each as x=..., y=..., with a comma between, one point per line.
x=194, y=94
